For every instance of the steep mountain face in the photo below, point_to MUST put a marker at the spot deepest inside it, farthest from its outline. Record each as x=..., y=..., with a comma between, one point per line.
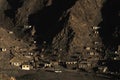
x=83, y=16
x=66, y=25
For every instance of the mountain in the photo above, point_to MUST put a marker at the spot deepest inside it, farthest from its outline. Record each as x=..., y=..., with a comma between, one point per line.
x=67, y=26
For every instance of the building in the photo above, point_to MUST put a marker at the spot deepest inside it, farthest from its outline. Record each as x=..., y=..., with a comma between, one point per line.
x=85, y=65
x=27, y=26
x=54, y=63
x=26, y=66
x=47, y=64
x=19, y=60
x=3, y=49
x=71, y=63
x=88, y=48
x=102, y=69
x=95, y=27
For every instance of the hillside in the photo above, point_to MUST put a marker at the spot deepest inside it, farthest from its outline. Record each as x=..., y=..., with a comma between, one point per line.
x=89, y=29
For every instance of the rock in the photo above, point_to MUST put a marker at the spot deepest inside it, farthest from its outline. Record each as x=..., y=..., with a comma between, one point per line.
x=83, y=15
x=67, y=28
x=6, y=77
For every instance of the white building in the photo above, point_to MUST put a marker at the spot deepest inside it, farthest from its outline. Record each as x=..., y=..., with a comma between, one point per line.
x=96, y=27
x=26, y=67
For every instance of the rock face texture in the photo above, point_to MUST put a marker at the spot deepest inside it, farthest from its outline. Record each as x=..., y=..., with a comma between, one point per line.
x=6, y=77
x=78, y=35
x=66, y=25
x=84, y=15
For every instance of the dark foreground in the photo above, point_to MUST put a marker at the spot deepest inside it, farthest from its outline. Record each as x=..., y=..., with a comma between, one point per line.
x=65, y=75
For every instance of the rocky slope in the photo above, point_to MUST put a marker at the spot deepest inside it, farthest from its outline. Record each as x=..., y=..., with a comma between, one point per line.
x=66, y=25
x=84, y=15
x=6, y=77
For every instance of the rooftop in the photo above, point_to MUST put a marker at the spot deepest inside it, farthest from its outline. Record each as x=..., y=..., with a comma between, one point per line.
x=20, y=59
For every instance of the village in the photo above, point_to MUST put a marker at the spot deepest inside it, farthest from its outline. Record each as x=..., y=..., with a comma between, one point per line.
x=35, y=61
x=28, y=58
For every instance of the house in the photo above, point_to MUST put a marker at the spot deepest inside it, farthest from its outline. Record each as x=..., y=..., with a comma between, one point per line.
x=19, y=60
x=27, y=26
x=96, y=27
x=54, y=63
x=88, y=48
x=71, y=64
x=103, y=69
x=47, y=64
x=85, y=65
x=26, y=66
x=92, y=53
x=116, y=58
x=10, y=32
x=96, y=32
x=82, y=65
x=3, y=49
x=28, y=53
x=96, y=43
